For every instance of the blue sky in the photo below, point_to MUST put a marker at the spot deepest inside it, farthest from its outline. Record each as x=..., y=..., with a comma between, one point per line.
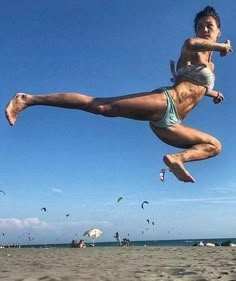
x=72, y=162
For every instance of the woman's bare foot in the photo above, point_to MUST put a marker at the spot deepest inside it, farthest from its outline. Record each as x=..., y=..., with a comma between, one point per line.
x=177, y=168
x=15, y=106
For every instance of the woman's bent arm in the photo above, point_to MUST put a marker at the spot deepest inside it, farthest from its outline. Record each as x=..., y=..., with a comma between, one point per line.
x=201, y=45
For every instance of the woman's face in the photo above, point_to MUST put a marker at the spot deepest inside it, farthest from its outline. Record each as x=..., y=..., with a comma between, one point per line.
x=207, y=28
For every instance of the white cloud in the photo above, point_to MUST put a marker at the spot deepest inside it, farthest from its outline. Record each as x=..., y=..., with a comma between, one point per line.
x=57, y=190
x=22, y=223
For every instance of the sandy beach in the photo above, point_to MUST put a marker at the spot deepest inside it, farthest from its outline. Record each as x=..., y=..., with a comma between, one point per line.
x=117, y=263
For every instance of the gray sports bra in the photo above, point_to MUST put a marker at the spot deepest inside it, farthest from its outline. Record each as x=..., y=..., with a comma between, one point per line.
x=199, y=74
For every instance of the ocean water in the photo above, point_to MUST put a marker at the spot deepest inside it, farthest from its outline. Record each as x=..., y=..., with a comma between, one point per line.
x=157, y=243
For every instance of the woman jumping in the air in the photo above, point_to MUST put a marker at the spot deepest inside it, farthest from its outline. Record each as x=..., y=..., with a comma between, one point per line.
x=165, y=108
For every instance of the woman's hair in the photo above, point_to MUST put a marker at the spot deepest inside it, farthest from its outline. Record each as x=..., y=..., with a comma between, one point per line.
x=208, y=11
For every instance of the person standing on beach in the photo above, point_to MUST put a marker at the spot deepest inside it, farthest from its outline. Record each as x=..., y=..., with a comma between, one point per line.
x=164, y=108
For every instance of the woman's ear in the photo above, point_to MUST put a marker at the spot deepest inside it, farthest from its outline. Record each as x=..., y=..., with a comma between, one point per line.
x=219, y=34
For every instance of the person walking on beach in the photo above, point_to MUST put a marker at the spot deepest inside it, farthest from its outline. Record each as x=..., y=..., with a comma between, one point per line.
x=164, y=108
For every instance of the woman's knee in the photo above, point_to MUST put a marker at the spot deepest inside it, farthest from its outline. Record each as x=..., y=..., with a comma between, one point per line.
x=105, y=110
x=99, y=106
x=216, y=146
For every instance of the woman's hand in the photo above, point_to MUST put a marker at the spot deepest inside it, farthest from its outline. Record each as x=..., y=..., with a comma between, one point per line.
x=228, y=49
x=218, y=98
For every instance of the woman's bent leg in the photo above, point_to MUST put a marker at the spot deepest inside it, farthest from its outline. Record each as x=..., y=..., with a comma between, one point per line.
x=142, y=106
x=199, y=146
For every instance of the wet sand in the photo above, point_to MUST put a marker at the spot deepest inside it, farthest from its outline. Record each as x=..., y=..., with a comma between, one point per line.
x=111, y=263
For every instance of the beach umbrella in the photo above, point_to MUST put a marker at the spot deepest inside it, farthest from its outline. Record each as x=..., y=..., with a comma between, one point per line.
x=94, y=233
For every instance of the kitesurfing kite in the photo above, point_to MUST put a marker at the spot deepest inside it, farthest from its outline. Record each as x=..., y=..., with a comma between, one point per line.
x=148, y=221
x=44, y=209
x=144, y=202
x=67, y=215
x=119, y=199
x=3, y=192
x=162, y=173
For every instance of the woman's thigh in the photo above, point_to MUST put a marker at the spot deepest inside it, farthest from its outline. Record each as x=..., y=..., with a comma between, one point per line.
x=182, y=136
x=141, y=106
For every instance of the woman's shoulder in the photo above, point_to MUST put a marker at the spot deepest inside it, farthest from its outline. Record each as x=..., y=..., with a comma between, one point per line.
x=191, y=56
x=187, y=47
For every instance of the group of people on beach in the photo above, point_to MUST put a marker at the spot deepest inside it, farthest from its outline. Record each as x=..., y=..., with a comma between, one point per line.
x=165, y=107
x=81, y=244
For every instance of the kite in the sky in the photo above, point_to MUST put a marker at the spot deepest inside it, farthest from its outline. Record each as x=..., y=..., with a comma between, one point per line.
x=119, y=199
x=3, y=192
x=44, y=209
x=144, y=202
x=162, y=173
x=67, y=215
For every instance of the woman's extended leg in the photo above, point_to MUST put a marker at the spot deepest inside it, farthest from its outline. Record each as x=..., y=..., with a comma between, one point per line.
x=198, y=146
x=141, y=106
